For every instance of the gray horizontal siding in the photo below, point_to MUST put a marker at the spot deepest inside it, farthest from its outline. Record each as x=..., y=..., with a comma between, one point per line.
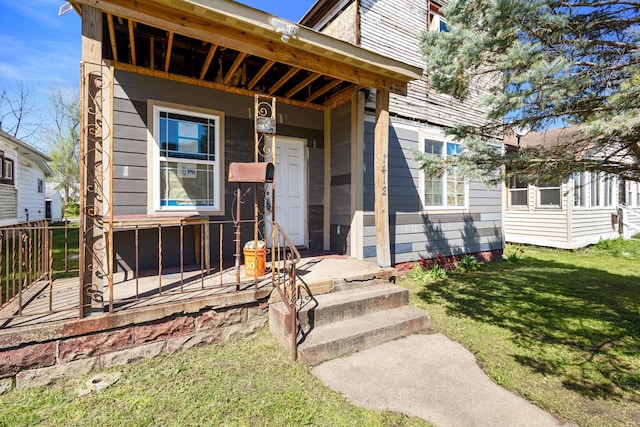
x=415, y=233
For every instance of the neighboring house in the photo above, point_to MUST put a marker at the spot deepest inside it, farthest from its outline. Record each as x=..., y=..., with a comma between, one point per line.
x=177, y=83
x=23, y=171
x=53, y=202
x=571, y=213
x=442, y=215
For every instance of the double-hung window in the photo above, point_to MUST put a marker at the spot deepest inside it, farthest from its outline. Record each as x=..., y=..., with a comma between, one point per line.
x=518, y=192
x=549, y=193
x=188, y=148
x=6, y=170
x=448, y=190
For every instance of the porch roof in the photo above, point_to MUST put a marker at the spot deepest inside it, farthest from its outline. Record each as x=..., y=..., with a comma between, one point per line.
x=228, y=46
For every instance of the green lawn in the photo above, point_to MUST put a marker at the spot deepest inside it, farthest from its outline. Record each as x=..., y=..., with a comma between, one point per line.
x=249, y=382
x=560, y=328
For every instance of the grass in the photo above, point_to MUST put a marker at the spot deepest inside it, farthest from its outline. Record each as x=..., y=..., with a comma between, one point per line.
x=65, y=249
x=249, y=382
x=559, y=328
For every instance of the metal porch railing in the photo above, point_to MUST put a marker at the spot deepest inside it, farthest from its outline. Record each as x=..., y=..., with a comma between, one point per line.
x=28, y=257
x=37, y=258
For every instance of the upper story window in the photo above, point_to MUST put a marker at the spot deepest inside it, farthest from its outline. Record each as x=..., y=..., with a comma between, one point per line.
x=437, y=22
x=40, y=186
x=448, y=190
x=188, y=159
x=6, y=170
x=518, y=192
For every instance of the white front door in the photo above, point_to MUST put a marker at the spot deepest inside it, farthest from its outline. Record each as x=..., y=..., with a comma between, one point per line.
x=291, y=189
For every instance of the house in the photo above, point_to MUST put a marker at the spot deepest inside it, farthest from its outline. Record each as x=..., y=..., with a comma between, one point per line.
x=574, y=212
x=443, y=215
x=23, y=171
x=349, y=114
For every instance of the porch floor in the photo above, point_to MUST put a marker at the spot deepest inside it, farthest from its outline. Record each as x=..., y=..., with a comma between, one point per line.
x=43, y=306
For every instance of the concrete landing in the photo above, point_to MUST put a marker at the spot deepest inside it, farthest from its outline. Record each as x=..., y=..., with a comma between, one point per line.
x=431, y=377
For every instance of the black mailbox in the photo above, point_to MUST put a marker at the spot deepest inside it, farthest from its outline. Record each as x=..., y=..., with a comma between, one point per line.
x=255, y=172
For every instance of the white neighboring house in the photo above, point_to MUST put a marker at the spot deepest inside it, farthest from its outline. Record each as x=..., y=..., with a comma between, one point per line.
x=23, y=171
x=571, y=213
x=53, y=202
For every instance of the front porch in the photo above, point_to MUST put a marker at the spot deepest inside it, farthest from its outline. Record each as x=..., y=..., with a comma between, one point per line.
x=55, y=304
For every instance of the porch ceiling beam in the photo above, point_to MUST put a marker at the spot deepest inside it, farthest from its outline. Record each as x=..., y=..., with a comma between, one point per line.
x=204, y=83
x=266, y=67
x=167, y=59
x=297, y=88
x=152, y=54
x=197, y=22
x=234, y=67
x=132, y=42
x=283, y=80
x=342, y=96
x=324, y=89
x=112, y=36
x=207, y=62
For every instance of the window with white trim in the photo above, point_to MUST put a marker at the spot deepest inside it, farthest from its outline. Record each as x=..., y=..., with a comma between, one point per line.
x=548, y=194
x=518, y=192
x=448, y=190
x=187, y=145
x=596, y=187
x=579, y=189
x=609, y=190
x=40, y=185
x=6, y=170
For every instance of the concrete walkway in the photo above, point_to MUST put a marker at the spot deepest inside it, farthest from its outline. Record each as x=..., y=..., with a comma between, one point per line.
x=431, y=377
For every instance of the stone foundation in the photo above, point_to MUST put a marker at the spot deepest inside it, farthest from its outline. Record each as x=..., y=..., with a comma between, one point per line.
x=38, y=356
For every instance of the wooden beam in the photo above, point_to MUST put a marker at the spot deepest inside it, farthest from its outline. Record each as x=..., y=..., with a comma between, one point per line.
x=152, y=54
x=283, y=80
x=297, y=88
x=132, y=42
x=324, y=89
x=236, y=64
x=207, y=62
x=266, y=67
x=326, y=202
x=91, y=143
x=167, y=59
x=205, y=83
x=112, y=37
x=342, y=96
x=381, y=179
x=172, y=17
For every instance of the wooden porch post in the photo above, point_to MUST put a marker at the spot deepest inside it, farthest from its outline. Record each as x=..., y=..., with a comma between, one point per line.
x=381, y=167
x=93, y=188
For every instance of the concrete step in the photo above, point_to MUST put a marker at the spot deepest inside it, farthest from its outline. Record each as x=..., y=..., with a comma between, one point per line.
x=348, y=336
x=336, y=306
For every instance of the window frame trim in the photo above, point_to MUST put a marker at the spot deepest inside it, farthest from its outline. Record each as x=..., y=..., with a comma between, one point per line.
x=423, y=135
x=153, y=160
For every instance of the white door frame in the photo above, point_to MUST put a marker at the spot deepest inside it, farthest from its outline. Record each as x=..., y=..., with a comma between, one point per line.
x=305, y=197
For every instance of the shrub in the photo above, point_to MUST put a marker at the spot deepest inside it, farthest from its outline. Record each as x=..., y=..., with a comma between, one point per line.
x=469, y=263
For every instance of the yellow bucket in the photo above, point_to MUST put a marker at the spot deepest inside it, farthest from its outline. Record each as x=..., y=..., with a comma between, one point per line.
x=254, y=261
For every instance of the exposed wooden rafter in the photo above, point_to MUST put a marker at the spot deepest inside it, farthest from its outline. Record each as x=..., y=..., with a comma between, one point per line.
x=152, y=38
x=167, y=59
x=132, y=42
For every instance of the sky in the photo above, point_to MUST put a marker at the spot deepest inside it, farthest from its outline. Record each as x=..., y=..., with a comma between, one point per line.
x=42, y=50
